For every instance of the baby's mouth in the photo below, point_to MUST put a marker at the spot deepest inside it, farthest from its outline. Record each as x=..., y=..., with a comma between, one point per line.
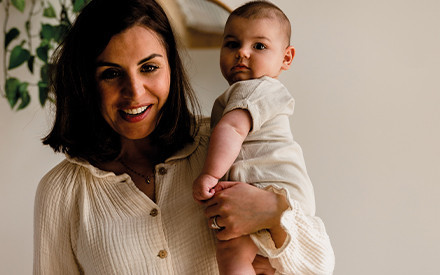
x=240, y=67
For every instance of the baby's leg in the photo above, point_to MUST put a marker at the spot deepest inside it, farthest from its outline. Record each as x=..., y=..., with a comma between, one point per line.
x=235, y=257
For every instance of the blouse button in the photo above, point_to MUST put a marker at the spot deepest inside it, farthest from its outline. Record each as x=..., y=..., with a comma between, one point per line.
x=162, y=254
x=162, y=171
x=154, y=212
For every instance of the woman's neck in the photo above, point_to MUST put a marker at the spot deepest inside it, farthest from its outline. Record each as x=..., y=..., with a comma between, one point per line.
x=139, y=151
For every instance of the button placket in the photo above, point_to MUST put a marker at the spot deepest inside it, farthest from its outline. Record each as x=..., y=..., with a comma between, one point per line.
x=162, y=171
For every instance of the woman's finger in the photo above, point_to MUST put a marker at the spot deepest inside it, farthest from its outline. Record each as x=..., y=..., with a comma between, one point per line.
x=262, y=266
x=214, y=205
x=222, y=185
x=243, y=209
x=212, y=209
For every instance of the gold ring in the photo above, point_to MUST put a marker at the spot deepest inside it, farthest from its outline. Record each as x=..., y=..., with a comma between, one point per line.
x=214, y=224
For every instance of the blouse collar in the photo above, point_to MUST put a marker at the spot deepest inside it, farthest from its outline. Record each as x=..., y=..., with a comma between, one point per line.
x=185, y=152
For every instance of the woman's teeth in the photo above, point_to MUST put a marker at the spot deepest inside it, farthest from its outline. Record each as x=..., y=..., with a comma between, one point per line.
x=135, y=111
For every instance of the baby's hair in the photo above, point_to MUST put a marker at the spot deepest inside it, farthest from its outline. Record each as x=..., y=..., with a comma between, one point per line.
x=263, y=9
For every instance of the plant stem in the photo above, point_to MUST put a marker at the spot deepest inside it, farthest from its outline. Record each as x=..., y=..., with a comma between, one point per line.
x=5, y=71
x=28, y=30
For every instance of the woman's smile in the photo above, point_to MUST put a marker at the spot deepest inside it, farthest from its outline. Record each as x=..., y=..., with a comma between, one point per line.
x=135, y=114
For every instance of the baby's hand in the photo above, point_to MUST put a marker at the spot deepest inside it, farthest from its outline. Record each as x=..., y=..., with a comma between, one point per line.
x=203, y=187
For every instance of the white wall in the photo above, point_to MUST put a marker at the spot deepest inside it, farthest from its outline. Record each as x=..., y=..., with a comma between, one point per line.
x=365, y=82
x=23, y=161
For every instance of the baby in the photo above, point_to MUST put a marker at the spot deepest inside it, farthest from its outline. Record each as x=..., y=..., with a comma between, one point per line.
x=251, y=139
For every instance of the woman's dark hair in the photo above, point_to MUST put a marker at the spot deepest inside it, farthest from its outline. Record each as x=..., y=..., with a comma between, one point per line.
x=79, y=128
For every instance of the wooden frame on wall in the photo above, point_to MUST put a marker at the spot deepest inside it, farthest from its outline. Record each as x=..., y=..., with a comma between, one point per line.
x=190, y=28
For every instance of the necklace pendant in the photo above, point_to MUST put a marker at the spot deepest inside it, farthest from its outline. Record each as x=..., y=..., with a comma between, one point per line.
x=147, y=178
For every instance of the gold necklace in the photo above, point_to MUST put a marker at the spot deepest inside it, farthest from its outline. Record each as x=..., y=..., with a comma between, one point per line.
x=147, y=178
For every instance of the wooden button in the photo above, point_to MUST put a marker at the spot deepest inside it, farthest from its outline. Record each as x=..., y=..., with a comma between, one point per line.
x=162, y=171
x=162, y=254
x=154, y=212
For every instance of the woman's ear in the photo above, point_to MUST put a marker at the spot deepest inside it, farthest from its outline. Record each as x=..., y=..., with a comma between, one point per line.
x=289, y=53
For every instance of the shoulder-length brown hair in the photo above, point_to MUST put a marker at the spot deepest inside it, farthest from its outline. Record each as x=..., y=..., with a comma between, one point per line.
x=79, y=128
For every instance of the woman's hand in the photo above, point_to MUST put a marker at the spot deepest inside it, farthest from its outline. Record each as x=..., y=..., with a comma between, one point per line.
x=262, y=266
x=243, y=209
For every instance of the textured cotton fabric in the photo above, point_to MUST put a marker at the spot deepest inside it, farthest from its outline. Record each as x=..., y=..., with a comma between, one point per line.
x=269, y=154
x=89, y=221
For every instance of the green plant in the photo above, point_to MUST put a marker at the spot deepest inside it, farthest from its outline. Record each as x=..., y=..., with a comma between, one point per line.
x=54, y=19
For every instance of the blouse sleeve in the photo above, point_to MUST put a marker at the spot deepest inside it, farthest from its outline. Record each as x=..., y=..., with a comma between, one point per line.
x=53, y=251
x=307, y=248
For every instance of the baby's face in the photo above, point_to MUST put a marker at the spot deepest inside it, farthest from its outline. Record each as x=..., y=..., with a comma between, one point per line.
x=253, y=48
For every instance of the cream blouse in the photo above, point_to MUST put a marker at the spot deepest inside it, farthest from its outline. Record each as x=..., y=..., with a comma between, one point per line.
x=89, y=221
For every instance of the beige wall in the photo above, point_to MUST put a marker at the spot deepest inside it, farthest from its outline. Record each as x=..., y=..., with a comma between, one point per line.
x=365, y=82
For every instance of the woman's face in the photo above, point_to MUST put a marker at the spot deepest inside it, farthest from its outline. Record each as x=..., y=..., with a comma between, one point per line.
x=133, y=79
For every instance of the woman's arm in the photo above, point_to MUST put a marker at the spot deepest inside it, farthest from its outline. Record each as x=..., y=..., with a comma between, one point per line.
x=294, y=243
x=53, y=252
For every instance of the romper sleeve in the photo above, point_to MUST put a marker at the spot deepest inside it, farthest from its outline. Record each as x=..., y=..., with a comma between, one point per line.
x=53, y=216
x=264, y=98
x=307, y=248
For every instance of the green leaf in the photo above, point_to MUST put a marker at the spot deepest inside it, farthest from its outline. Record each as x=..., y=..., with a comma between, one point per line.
x=18, y=56
x=11, y=35
x=30, y=63
x=24, y=95
x=47, y=32
x=44, y=43
x=42, y=52
x=62, y=30
x=56, y=33
x=19, y=4
x=49, y=12
x=12, y=93
x=43, y=89
x=44, y=73
x=78, y=5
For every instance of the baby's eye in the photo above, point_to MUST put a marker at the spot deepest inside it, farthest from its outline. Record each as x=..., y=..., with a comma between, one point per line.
x=147, y=68
x=260, y=46
x=110, y=74
x=231, y=44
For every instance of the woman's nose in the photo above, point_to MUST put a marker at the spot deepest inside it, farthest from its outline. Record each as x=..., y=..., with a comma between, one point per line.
x=133, y=87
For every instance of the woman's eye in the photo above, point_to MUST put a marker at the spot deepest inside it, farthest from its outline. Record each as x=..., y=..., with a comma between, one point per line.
x=260, y=46
x=149, y=68
x=110, y=74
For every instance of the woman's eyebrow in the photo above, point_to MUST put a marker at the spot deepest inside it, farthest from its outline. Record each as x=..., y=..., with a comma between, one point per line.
x=106, y=64
x=110, y=64
x=149, y=58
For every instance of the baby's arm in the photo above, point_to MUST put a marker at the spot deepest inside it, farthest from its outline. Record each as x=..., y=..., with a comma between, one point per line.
x=224, y=147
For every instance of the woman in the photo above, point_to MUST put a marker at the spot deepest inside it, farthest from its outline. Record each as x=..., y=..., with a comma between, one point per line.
x=121, y=202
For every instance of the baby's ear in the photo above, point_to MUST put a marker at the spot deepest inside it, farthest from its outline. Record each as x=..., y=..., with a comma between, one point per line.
x=289, y=53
